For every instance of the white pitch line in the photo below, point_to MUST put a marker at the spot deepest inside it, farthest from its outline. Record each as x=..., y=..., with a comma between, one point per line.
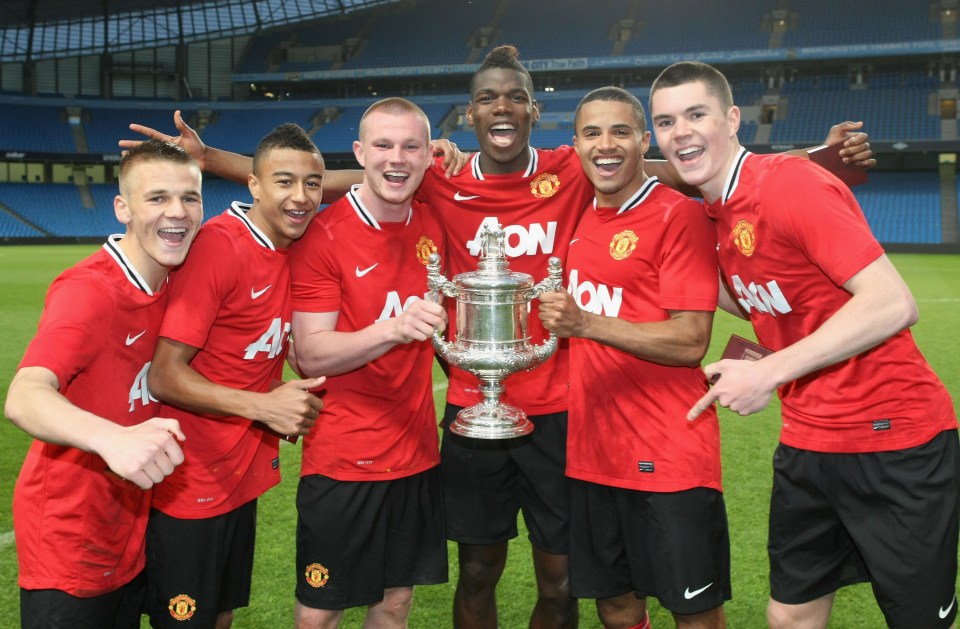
x=6, y=539
x=440, y=386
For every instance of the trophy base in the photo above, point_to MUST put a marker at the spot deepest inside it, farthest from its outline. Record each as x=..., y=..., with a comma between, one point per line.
x=491, y=420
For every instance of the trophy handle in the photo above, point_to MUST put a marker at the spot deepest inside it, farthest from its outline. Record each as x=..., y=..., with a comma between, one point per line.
x=438, y=284
x=552, y=282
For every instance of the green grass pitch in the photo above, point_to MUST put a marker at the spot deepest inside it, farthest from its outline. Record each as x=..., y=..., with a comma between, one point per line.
x=748, y=445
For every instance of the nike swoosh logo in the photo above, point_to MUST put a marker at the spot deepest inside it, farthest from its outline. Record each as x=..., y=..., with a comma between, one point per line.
x=574, y=240
x=256, y=293
x=460, y=197
x=133, y=339
x=946, y=612
x=687, y=594
x=366, y=270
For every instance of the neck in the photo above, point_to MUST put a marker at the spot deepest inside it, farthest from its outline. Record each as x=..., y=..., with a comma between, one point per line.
x=489, y=166
x=381, y=209
x=153, y=273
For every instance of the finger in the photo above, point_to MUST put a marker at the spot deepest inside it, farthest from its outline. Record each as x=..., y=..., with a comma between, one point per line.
x=172, y=426
x=307, y=384
x=141, y=480
x=702, y=404
x=164, y=464
x=174, y=452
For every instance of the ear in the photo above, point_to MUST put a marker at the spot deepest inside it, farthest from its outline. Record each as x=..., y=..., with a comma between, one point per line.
x=470, y=114
x=358, y=152
x=733, y=119
x=644, y=143
x=121, y=210
x=535, y=118
x=253, y=185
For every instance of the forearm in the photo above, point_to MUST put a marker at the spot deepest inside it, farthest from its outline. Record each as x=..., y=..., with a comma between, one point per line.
x=232, y=166
x=861, y=324
x=675, y=342
x=331, y=353
x=180, y=385
x=42, y=412
x=337, y=183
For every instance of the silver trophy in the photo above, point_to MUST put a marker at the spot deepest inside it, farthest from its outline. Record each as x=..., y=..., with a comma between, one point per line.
x=492, y=340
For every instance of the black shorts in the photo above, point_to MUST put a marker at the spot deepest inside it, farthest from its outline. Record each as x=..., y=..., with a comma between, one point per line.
x=357, y=538
x=486, y=483
x=52, y=609
x=672, y=546
x=199, y=568
x=890, y=518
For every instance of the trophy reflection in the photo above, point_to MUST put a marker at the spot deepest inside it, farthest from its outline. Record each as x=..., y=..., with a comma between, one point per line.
x=492, y=340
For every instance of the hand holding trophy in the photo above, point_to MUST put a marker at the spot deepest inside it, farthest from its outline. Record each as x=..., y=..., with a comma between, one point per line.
x=492, y=340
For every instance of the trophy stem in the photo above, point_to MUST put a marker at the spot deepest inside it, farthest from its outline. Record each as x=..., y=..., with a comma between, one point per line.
x=491, y=418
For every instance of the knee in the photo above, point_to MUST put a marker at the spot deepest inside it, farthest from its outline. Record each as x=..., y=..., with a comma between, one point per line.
x=622, y=611
x=313, y=618
x=481, y=570
x=397, y=602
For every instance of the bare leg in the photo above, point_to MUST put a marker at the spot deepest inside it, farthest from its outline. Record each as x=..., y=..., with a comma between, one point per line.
x=621, y=612
x=555, y=608
x=312, y=618
x=812, y=615
x=392, y=612
x=475, y=600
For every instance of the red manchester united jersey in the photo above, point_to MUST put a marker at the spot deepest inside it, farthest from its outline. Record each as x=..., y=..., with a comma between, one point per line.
x=538, y=209
x=378, y=422
x=628, y=425
x=79, y=529
x=790, y=235
x=231, y=299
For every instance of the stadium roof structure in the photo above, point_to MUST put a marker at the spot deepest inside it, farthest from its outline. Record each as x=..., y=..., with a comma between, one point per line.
x=45, y=29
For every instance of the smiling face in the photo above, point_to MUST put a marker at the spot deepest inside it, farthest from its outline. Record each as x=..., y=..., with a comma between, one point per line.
x=394, y=150
x=611, y=144
x=696, y=133
x=502, y=113
x=287, y=188
x=161, y=206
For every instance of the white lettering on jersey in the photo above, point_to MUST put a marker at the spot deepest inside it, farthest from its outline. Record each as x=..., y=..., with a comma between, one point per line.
x=519, y=240
x=140, y=391
x=596, y=299
x=392, y=307
x=271, y=341
x=766, y=299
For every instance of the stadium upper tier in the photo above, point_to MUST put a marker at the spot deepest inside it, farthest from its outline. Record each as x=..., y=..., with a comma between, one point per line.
x=440, y=32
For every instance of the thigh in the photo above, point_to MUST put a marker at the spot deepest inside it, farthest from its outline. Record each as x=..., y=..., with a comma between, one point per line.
x=544, y=486
x=481, y=488
x=901, y=508
x=811, y=552
x=52, y=609
x=341, y=542
x=416, y=547
x=199, y=568
x=678, y=546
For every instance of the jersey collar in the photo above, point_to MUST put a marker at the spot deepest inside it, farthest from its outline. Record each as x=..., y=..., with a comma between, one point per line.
x=365, y=215
x=531, y=169
x=239, y=210
x=638, y=197
x=733, y=177
x=112, y=248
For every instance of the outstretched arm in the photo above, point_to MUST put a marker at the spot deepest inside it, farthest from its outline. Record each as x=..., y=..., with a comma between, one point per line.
x=289, y=409
x=234, y=166
x=143, y=454
x=321, y=349
x=881, y=305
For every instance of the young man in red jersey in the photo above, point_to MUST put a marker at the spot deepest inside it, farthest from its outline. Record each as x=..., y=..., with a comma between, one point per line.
x=218, y=368
x=371, y=523
x=82, y=499
x=537, y=195
x=866, y=472
x=647, y=512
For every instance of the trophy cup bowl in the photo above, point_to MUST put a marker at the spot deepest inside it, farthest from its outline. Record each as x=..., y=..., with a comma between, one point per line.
x=492, y=340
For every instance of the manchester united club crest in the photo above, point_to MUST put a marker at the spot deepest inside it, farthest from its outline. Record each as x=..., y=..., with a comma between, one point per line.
x=545, y=185
x=317, y=576
x=623, y=244
x=425, y=247
x=182, y=607
x=744, y=238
